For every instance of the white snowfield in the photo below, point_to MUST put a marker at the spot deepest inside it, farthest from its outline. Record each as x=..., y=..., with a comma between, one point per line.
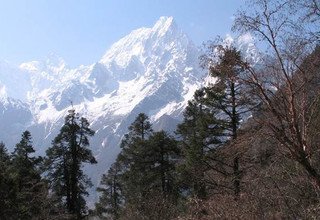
x=151, y=70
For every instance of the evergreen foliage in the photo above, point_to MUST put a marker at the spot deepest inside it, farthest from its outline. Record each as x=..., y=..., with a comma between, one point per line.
x=162, y=155
x=229, y=95
x=23, y=192
x=27, y=179
x=132, y=158
x=7, y=193
x=268, y=168
x=69, y=151
x=111, y=199
x=200, y=134
x=145, y=168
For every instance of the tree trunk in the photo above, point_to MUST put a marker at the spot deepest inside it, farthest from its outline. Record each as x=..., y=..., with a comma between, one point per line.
x=234, y=124
x=236, y=181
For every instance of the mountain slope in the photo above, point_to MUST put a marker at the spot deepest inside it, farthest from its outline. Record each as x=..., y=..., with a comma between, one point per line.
x=151, y=70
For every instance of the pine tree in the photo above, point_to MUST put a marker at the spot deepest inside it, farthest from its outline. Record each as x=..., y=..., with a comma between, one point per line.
x=162, y=154
x=228, y=95
x=200, y=134
x=141, y=128
x=26, y=174
x=111, y=199
x=144, y=169
x=132, y=158
x=64, y=164
x=125, y=179
x=7, y=192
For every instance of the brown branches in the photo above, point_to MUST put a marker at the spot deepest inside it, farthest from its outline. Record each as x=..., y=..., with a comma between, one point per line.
x=287, y=110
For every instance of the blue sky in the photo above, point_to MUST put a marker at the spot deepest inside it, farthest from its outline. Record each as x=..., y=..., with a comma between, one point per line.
x=81, y=31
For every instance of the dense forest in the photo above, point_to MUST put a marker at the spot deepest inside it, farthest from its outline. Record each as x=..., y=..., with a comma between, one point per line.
x=50, y=187
x=247, y=148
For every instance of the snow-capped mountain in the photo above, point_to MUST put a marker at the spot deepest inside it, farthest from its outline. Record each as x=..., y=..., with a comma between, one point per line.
x=151, y=70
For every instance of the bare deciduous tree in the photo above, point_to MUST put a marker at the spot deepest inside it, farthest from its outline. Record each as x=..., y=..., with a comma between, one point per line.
x=285, y=79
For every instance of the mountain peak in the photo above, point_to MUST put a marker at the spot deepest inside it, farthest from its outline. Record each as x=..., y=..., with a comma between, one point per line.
x=144, y=42
x=164, y=23
x=54, y=59
x=165, y=19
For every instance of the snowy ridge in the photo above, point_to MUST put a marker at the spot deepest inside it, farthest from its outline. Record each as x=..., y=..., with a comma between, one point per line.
x=152, y=70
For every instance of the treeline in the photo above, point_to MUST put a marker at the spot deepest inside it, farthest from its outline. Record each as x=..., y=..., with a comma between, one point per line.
x=248, y=146
x=50, y=187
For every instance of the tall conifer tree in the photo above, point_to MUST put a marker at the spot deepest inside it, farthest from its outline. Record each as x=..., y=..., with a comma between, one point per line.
x=29, y=186
x=64, y=162
x=143, y=170
x=111, y=198
x=229, y=95
x=200, y=134
x=7, y=192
